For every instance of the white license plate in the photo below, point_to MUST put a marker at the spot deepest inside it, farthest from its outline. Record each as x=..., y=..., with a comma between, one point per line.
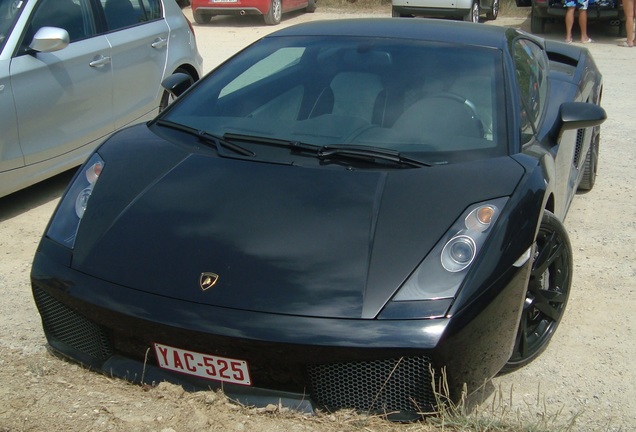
x=224, y=1
x=203, y=365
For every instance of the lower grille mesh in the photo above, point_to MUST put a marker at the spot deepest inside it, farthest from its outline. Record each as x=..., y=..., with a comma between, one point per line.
x=72, y=329
x=394, y=385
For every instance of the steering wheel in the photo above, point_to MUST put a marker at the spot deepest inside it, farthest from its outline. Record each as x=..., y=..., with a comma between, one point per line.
x=466, y=102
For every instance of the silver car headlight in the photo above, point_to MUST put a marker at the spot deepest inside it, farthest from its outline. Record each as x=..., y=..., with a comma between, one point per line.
x=442, y=272
x=66, y=220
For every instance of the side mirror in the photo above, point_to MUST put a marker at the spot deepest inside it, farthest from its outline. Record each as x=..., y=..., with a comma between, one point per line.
x=49, y=39
x=579, y=115
x=177, y=83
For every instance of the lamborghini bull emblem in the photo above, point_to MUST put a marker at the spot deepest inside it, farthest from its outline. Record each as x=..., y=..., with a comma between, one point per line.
x=208, y=280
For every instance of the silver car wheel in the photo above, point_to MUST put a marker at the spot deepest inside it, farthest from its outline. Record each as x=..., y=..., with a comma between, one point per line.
x=473, y=13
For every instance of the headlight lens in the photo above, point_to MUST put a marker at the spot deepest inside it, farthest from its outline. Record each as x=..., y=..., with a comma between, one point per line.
x=458, y=253
x=66, y=219
x=441, y=273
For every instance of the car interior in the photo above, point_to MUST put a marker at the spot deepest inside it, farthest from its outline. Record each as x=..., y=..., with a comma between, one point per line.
x=358, y=95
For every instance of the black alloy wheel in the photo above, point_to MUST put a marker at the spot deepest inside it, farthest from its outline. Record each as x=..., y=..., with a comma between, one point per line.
x=547, y=294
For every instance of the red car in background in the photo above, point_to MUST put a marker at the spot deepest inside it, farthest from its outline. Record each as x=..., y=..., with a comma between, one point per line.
x=271, y=10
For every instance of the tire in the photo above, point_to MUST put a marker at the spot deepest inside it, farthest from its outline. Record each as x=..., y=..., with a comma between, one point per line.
x=311, y=6
x=473, y=13
x=166, y=97
x=201, y=18
x=591, y=164
x=537, y=24
x=395, y=13
x=275, y=13
x=547, y=293
x=493, y=12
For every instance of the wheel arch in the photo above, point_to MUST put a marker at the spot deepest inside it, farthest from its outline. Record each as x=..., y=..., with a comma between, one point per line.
x=190, y=69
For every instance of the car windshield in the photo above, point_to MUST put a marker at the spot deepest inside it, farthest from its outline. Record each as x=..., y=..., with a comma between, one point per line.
x=9, y=13
x=439, y=102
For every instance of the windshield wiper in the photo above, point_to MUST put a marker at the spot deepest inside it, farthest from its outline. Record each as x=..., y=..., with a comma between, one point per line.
x=367, y=153
x=294, y=145
x=219, y=142
x=359, y=152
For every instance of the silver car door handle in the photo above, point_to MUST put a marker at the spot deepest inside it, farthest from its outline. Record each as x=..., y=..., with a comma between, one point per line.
x=100, y=61
x=159, y=43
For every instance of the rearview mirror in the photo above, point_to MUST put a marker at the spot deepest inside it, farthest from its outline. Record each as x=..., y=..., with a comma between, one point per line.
x=579, y=115
x=177, y=83
x=49, y=39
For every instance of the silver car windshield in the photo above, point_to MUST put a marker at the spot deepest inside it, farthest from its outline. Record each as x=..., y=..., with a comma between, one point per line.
x=9, y=13
x=441, y=100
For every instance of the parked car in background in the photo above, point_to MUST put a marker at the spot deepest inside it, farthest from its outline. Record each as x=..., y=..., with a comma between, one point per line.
x=271, y=10
x=468, y=10
x=552, y=10
x=74, y=71
x=336, y=217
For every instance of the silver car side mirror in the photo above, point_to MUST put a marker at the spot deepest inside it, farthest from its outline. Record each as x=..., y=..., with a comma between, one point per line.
x=49, y=39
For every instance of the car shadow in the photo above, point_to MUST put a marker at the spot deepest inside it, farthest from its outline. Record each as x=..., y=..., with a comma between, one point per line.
x=34, y=196
x=599, y=31
x=245, y=21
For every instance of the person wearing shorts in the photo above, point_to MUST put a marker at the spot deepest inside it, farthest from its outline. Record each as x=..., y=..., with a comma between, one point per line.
x=571, y=6
x=629, y=7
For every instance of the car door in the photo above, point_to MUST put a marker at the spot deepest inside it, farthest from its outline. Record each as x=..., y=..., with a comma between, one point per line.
x=531, y=66
x=63, y=99
x=139, y=37
x=10, y=152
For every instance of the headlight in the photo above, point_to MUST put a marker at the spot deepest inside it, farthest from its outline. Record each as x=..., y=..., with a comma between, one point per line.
x=442, y=272
x=66, y=220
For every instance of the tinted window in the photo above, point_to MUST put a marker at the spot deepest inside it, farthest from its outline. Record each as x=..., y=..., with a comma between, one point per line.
x=74, y=16
x=125, y=13
x=530, y=64
x=441, y=101
x=9, y=12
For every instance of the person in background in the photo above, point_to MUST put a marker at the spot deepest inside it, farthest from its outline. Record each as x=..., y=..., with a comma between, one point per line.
x=571, y=6
x=629, y=9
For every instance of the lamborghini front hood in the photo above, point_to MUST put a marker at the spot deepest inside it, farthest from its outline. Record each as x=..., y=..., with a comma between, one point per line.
x=281, y=239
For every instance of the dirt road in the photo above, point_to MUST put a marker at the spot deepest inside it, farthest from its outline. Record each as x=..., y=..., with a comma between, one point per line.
x=588, y=372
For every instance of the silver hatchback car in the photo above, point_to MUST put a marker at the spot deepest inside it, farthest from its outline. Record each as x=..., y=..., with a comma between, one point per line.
x=74, y=71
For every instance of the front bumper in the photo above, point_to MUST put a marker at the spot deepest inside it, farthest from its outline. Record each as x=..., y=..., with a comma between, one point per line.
x=300, y=362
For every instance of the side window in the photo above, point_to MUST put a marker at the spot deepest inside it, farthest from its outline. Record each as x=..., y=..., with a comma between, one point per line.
x=74, y=16
x=126, y=13
x=152, y=8
x=531, y=75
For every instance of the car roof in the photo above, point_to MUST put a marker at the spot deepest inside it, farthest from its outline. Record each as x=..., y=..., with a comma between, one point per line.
x=403, y=28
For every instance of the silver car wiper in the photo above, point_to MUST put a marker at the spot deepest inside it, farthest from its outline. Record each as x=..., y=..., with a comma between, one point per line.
x=219, y=142
x=326, y=152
